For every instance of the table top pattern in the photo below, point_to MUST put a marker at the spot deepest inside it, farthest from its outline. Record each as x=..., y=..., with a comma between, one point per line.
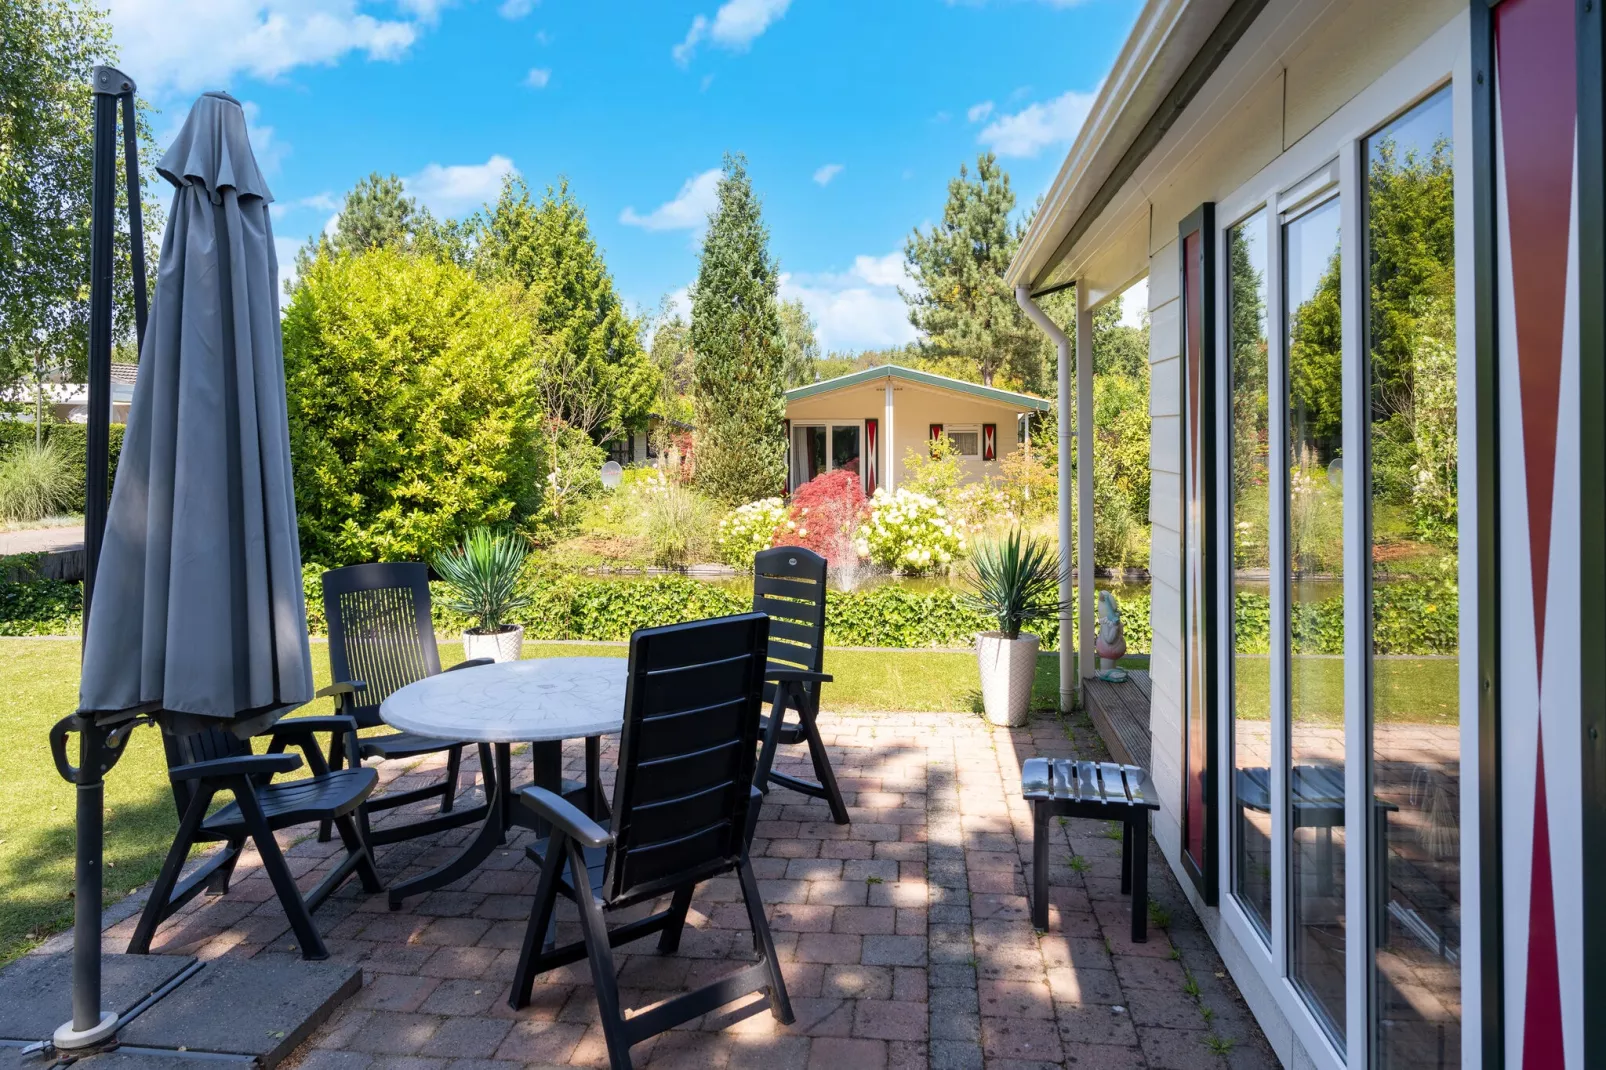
x=532, y=701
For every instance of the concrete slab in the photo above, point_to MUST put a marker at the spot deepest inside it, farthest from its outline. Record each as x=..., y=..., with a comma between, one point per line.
x=36, y=990
x=12, y=1059
x=248, y=1007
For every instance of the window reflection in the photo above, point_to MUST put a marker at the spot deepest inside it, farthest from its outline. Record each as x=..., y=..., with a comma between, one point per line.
x=1314, y=500
x=1415, y=734
x=1250, y=501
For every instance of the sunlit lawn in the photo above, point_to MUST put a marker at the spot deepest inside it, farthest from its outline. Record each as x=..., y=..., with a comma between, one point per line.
x=1419, y=690
x=39, y=684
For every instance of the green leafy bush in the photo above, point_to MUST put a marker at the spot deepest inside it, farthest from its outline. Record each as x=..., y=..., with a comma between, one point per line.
x=909, y=532
x=35, y=482
x=33, y=606
x=413, y=413
x=677, y=519
x=750, y=528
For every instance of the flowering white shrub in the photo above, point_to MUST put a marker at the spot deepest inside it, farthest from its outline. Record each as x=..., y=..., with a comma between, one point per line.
x=751, y=528
x=909, y=532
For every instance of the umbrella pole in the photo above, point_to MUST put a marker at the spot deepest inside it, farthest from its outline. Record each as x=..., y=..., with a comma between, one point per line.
x=90, y=1025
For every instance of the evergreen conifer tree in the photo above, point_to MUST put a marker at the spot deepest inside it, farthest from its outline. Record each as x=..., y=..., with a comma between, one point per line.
x=736, y=333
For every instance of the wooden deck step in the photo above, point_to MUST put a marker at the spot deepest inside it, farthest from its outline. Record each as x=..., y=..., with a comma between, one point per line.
x=1120, y=712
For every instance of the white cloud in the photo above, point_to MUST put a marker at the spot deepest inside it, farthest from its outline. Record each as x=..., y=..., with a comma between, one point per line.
x=180, y=46
x=858, y=309
x=426, y=10
x=825, y=174
x=324, y=202
x=1135, y=303
x=516, y=9
x=268, y=150
x=457, y=188
x=538, y=77
x=978, y=112
x=285, y=250
x=688, y=211
x=735, y=26
x=1035, y=127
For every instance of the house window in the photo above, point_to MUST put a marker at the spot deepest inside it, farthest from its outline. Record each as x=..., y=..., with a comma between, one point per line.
x=1313, y=503
x=1249, y=514
x=1415, y=752
x=619, y=450
x=825, y=447
x=966, y=441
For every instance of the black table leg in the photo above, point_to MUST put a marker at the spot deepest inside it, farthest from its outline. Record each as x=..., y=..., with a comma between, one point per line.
x=492, y=834
x=1040, y=866
x=1137, y=831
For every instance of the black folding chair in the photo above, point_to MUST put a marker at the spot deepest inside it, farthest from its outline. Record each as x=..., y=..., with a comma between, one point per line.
x=680, y=810
x=789, y=586
x=381, y=638
x=207, y=761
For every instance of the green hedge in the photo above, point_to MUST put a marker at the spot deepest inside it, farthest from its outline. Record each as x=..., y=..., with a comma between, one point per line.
x=1409, y=617
x=40, y=607
x=72, y=440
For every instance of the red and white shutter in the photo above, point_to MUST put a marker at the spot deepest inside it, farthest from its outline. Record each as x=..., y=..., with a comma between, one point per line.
x=989, y=441
x=872, y=440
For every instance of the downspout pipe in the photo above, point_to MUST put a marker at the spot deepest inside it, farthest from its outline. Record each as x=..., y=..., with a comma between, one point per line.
x=1067, y=494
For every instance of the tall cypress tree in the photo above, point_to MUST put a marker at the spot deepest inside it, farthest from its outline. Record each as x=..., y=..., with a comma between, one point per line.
x=739, y=379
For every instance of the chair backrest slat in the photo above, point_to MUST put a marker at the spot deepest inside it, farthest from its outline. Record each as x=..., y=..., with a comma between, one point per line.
x=789, y=586
x=203, y=745
x=686, y=754
x=380, y=630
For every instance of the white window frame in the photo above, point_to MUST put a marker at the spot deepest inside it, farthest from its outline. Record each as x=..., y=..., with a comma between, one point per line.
x=1331, y=155
x=830, y=464
x=974, y=429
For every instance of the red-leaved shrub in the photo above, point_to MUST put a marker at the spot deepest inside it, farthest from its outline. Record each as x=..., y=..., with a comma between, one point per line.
x=826, y=509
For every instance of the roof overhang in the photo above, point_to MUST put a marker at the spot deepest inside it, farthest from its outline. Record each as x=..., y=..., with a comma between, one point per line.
x=920, y=378
x=1170, y=54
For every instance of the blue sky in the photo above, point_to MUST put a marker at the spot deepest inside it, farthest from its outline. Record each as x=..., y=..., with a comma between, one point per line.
x=853, y=115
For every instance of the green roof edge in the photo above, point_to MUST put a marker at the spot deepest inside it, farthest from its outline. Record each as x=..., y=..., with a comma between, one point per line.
x=915, y=375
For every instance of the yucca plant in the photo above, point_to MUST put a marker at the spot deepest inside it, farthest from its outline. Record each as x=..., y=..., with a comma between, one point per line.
x=482, y=577
x=1015, y=580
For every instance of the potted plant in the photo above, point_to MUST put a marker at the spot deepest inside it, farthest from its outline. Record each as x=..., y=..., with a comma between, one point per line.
x=1013, y=582
x=482, y=581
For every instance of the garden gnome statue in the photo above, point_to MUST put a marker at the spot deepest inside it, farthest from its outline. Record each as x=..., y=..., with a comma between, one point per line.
x=1110, y=645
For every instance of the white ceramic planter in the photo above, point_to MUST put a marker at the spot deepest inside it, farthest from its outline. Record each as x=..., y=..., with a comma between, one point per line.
x=1007, y=668
x=505, y=645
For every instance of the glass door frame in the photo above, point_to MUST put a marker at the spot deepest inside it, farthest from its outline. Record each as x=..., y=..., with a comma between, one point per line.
x=1328, y=160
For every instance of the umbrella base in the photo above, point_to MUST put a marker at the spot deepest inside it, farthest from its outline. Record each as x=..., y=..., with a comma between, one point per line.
x=66, y=1038
x=174, y=1011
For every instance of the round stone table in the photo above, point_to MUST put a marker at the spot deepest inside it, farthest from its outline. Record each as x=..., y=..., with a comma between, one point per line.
x=540, y=701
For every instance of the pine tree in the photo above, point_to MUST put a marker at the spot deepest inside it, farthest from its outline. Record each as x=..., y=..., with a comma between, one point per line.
x=591, y=369
x=961, y=303
x=736, y=334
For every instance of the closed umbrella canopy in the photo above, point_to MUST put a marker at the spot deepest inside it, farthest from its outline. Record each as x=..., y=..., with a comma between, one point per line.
x=198, y=603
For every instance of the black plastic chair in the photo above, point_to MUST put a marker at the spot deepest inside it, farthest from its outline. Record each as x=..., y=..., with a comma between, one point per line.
x=207, y=761
x=680, y=815
x=381, y=639
x=789, y=586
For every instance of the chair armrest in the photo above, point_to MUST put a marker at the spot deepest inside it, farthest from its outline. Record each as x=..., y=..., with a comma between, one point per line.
x=787, y=676
x=302, y=732
x=471, y=663
x=344, y=687
x=566, y=816
x=240, y=765
x=332, y=722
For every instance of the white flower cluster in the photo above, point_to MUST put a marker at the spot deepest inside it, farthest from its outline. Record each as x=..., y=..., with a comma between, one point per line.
x=750, y=528
x=909, y=532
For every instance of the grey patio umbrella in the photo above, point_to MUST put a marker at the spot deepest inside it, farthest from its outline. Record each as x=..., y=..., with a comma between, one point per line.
x=198, y=603
x=193, y=601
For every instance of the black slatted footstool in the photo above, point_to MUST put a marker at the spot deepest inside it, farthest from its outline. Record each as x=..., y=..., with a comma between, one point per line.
x=1102, y=791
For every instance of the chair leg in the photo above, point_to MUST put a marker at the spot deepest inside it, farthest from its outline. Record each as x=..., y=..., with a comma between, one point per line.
x=1040, y=866
x=454, y=763
x=284, y=884
x=679, y=905
x=487, y=769
x=772, y=739
x=808, y=710
x=599, y=805
x=780, y=1004
x=162, y=892
x=546, y=894
x=358, y=847
x=219, y=884
x=1126, y=859
x=337, y=760
x=600, y=952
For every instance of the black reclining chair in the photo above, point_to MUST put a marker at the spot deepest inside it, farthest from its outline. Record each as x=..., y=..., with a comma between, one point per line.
x=680, y=816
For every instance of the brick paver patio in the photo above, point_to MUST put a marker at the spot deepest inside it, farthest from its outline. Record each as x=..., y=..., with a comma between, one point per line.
x=905, y=937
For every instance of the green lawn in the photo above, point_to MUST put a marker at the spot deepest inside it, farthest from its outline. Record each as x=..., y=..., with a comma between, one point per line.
x=39, y=685
x=1419, y=690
